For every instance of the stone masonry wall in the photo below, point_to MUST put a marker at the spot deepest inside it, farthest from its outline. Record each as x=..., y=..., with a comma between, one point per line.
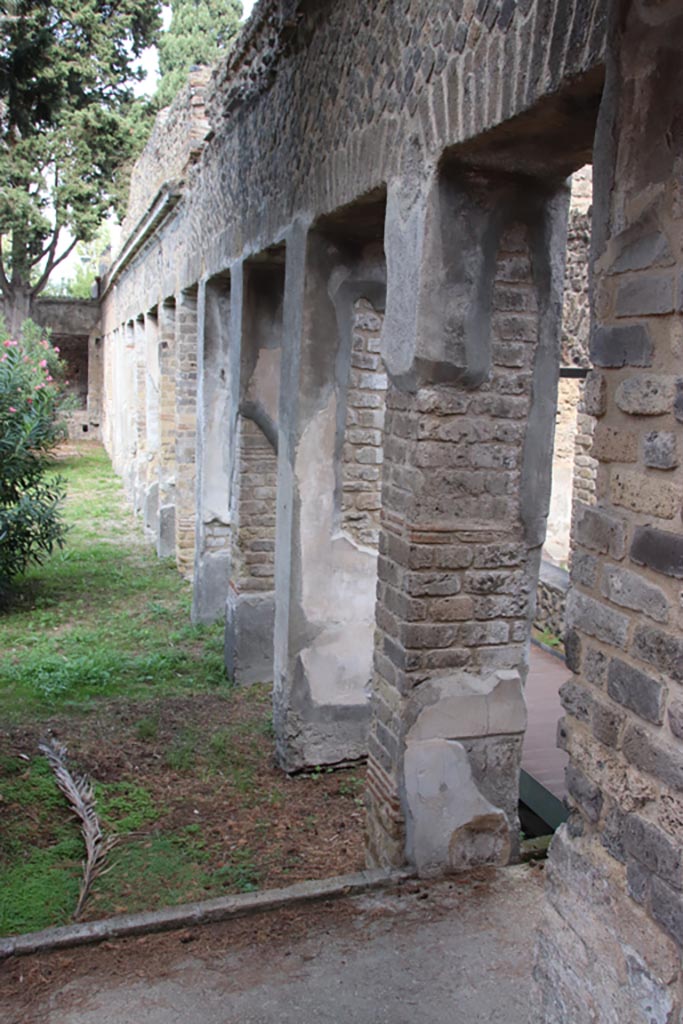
x=614, y=915
x=363, y=438
x=255, y=543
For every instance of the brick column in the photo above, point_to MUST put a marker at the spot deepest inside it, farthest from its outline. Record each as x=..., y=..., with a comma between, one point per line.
x=151, y=495
x=325, y=577
x=140, y=392
x=167, y=456
x=250, y=608
x=214, y=439
x=185, y=428
x=614, y=910
x=471, y=342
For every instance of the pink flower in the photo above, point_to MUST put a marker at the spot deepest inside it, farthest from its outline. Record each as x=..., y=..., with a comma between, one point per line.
x=44, y=344
x=12, y=409
x=43, y=363
x=49, y=377
x=57, y=348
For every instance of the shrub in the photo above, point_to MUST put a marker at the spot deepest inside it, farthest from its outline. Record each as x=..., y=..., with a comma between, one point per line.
x=31, y=403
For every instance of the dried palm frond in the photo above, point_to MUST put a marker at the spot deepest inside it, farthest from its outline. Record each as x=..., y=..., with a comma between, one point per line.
x=79, y=792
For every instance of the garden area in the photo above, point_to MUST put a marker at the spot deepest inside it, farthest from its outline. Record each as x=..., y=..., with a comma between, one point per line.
x=99, y=656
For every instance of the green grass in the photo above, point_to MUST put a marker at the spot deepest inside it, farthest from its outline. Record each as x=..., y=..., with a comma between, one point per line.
x=104, y=617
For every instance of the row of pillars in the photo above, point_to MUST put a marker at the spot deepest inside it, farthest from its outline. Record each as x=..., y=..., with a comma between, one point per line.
x=426, y=674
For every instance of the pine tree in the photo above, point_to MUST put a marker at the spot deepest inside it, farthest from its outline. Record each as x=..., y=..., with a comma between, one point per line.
x=200, y=31
x=68, y=123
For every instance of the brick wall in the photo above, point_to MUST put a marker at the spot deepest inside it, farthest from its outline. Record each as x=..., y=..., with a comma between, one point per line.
x=254, y=548
x=362, y=455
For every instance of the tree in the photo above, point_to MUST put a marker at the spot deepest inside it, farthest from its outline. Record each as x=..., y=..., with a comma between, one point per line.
x=68, y=125
x=31, y=400
x=200, y=31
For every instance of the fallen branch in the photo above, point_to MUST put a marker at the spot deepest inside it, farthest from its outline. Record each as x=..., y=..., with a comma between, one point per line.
x=79, y=792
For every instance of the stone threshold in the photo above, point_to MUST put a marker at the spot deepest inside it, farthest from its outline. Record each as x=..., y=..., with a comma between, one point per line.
x=202, y=912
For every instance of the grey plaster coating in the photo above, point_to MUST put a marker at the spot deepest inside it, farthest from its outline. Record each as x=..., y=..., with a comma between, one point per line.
x=249, y=624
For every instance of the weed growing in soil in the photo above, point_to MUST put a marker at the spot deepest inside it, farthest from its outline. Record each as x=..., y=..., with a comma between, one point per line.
x=98, y=650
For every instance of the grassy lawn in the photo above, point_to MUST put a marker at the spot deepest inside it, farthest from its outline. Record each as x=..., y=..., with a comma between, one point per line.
x=98, y=651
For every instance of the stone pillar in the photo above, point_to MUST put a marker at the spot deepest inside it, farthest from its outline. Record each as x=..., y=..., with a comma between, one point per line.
x=610, y=944
x=250, y=608
x=212, y=554
x=167, y=456
x=325, y=577
x=125, y=427
x=95, y=385
x=185, y=427
x=150, y=509
x=471, y=344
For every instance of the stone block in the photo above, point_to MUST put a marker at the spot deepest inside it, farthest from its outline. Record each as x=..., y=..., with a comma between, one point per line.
x=600, y=531
x=640, y=250
x=638, y=882
x=606, y=724
x=675, y=716
x=646, y=395
x=596, y=619
x=584, y=570
x=572, y=648
x=658, y=550
x=636, y=690
x=595, y=394
x=646, y=843
x=629, y=590
x=641, y=493
x=586, y=794
x=621, y=346
x=576, y=700
x=645, y=295
x=659, y=450
x=595, y=664
x=614, y=445
x=667, y=908
x=663, y=650
x=649, y=753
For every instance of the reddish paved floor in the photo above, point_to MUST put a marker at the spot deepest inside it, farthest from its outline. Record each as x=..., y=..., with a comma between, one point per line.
x=540, y=756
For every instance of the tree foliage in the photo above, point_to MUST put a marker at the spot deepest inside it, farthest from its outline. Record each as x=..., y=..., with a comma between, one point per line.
x=31, y=402
x=199, y=33
x=68, y=123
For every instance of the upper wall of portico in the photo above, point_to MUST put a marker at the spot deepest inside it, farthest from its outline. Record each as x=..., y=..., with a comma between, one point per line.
x=318, y=104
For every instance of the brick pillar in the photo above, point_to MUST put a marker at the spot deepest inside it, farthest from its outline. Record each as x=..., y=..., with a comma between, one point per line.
x=325, y=578
x=185, y=428
x=471, y=342
x=167, y=456
x=140, y=391
x=250, y=607
x=150, y=509
x=214, y=437
x=614, y=908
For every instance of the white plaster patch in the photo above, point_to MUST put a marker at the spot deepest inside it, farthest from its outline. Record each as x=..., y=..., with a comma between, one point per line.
x=338, y=578
x=338, y=666
x=467, y=705
x=264, y=386
x=449, y=825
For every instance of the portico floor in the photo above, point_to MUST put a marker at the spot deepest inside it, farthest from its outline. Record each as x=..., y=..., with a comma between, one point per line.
x=457, y=951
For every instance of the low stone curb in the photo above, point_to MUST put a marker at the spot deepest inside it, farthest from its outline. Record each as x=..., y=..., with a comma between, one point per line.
x=203, y=912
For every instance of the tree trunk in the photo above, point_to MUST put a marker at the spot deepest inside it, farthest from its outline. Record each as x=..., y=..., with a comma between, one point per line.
x=17, y=309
